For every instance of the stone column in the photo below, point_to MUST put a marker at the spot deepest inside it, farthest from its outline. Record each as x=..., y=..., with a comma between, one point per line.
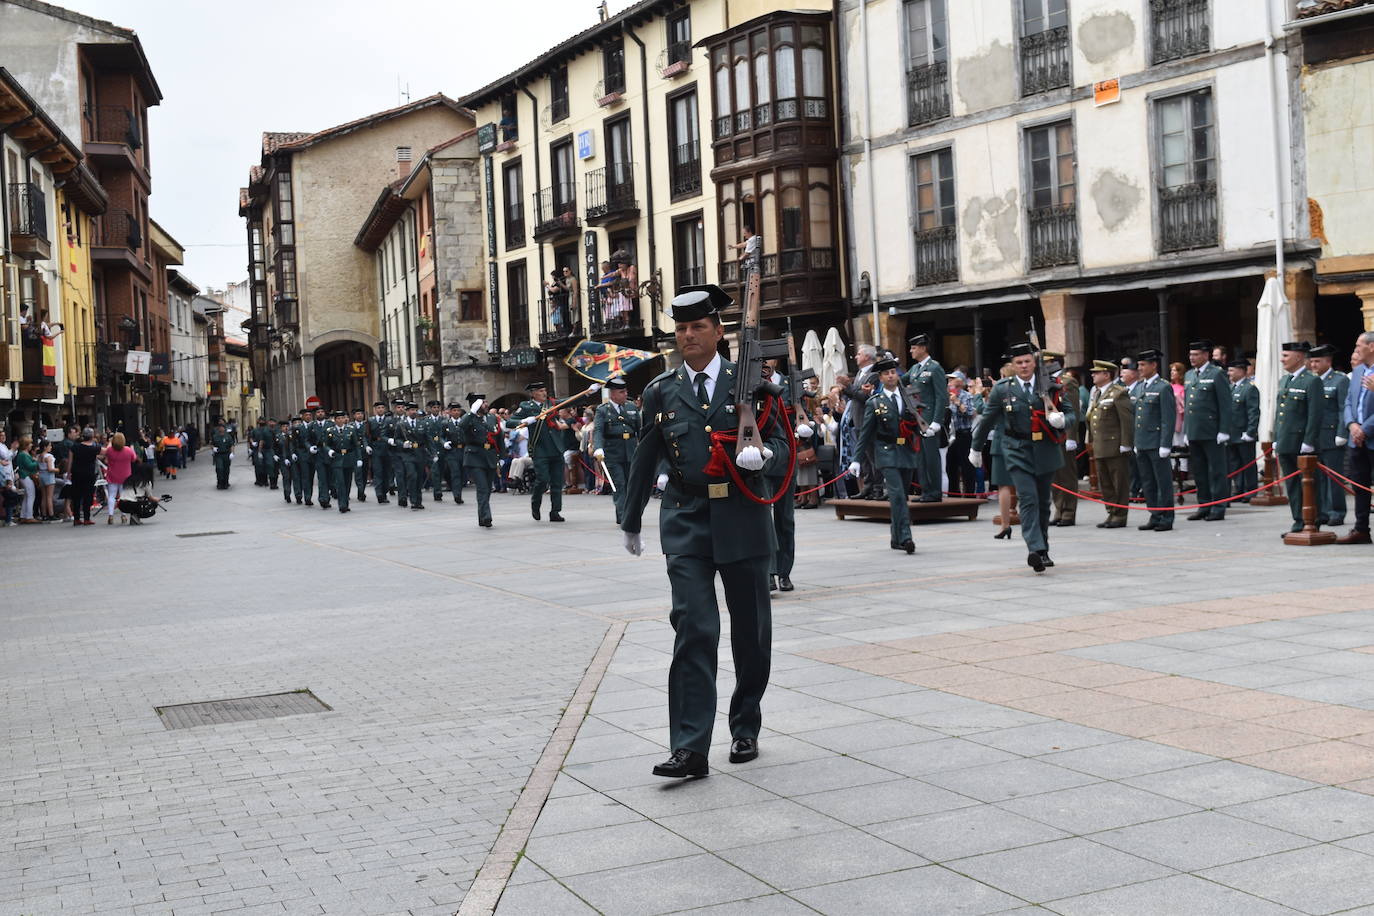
x=1063, y=313
x=1366, y=294
x=1300, y=287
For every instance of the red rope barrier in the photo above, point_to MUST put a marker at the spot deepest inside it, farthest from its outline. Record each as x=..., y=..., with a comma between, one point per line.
x=1340, y=476
x=1215, y=502
x=823, y=486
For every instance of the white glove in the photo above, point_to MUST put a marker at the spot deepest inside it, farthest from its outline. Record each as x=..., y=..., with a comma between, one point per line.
x=476, y=405
x=314, y=449
x=569, y=455
x=530, y=421
x=804, y=431
x=448, y=444
x=1164, y=451
x=1246, y=437
x=287, y=462
x=231, y=456
x=767, y=453
x=599, y=454
x=854, y=469
x=975, y=459
x=661, y=483
x=750, y=458
x=1071, y=445
x=594, y=387
x=369, y=450
x=1123, y=449
x=391, y=442
x=360, y=464
x=634, y=543
x=1341, y=440
x=1055, y=418
x=332, y=453
x=934, y=428
x=1306, y=449
x=1223, y=438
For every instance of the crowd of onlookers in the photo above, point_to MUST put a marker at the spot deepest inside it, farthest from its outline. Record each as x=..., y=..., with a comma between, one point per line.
x=612, y=302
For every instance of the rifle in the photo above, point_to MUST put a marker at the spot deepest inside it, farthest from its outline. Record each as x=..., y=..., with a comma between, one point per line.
x=912, y=406
x=1042, y=377
x=749, y=381
x=795, y=375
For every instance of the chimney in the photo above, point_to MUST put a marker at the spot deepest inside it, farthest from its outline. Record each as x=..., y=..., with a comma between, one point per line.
x=402, y=161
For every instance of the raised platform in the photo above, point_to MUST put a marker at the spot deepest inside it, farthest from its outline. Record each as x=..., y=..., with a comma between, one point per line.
x=920, y=512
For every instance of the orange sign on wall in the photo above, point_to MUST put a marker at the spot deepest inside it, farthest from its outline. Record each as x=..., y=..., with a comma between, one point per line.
x=1107, y=92
x=357, y=370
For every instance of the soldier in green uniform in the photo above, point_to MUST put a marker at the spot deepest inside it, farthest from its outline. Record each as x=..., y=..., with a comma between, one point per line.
x=707, y=527
x=1111, y=433
x=257, y=437
x=1244, y=429
x=412, y=437
x=360, y=424
x=223, y=444
x=551, y=438
x=434, y=421
x=1206, y=425
x=343, y=450
x=480, y=438
x=1331, y=447
x=1297, y=425
x=319, y=467
x=1065, y=504
x=300, y=457
x=269, y=447
x=890, y=430
x=1155, y=416
x=282, y=447
x=615, y=434
x=452, y=452
x=398, y=469
x=1031, y=425
x=926, y=379
x=377, y=432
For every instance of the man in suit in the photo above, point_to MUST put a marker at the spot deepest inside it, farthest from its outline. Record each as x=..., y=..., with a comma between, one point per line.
x=1031, y=424
x=707, y=528
x=1155, y=415
x=890, y=430
x=1359, y=422
x=1297, y=425
x=1111, y=433
x=1244, y=429
x=858, y=392
x=926, y=379
x=1206, y=423
x=1333, y=434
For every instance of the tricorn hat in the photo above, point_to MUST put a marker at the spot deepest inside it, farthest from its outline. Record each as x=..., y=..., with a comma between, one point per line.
x=693, y=303
x=1322, y=350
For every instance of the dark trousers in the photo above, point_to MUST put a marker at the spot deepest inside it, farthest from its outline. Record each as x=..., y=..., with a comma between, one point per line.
x=1207, y=461
x=928, y=468
x=548, y=475
x=785, y=529
x=618, y=472
x=436, y=474
x=222, y=470
x=260, y=468
x=1114, y=480
x=412, y=470
x=1361, y=465
x=272, y=465
x=382, y=474
x=453, y=463
x=1033, y=505
x=1331, y=492
x=695, y=618
x=1238, y=455
x=79, y=497
x=1288, y=463
x=481, y=484
x=957, y=467
x=302, y=475
x=1156, y=477
x=897, y=482
x=342, y=476
x=1066, y=504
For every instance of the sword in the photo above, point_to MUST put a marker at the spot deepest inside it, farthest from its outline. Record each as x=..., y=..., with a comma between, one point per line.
x=607, y=475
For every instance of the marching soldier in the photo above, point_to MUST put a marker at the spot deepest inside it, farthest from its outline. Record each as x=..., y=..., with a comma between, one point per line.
x=223, y=444
x=551, y=438
x=433, y=422
x=926, y=379
x=283, y=448
x=1031, y=425
x=319, y=466
x=360, y=424
x=257, y=452
x=480, y=437
x=343, y=451
x=269, y=447
x=452, y=452
x=398, y=460
x=1206, y=426
x=891, y=430
x=707, y=527
x=1065, y=504
x=1111, y=433
x=1331, y=448
x=1244, y=428
x=412, y=437
x=615, y=434
x=1155, y=416
x=377, y=431
x=785, y=508
x=300, y=457
x=1297, y=426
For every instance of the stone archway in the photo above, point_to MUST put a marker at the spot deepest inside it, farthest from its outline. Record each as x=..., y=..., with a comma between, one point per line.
x=344, y=371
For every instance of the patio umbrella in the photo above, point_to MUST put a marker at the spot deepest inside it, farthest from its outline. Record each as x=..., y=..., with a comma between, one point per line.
x=1274, y=327
x=811, y=355
x=833, y=361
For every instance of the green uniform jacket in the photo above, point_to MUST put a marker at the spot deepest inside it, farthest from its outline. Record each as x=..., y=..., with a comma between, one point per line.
x=676, y=430
x=1335, y=387
x=617, y=431
x=1111, y=421
x=346, y=443
x=1206, y=403
x=434, y=433
x=480, y=437
x=1009, y=411
x=299, y=437
x=378, y=431
x=546, y=440
x=412, y=440
x=881, y=431
x=927, y=381
x=1155, y=415
x=222, y=443
x=1245, y=410
x=1299, y=418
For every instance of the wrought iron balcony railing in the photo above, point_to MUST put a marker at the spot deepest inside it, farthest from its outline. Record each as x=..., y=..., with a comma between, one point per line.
x=1188, y=216
x=560, y=321
x=1179, y=28
x=615, y=311
x=1045, y=61
x=937, y=255
x=927, y=92
x=684, y=170
x=1053, y=236
x=556, y=209
x=515, y=233
x=611, y=191
x=690, y=276
x=28, y=211
x=118, y=229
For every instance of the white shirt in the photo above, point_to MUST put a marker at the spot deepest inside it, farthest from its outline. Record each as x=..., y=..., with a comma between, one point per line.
x=895, y=394
x=712, y=371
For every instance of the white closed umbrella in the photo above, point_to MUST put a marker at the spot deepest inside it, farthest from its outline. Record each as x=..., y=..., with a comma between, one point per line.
x=812, y=357
x=833, y=362
x=1273, y=328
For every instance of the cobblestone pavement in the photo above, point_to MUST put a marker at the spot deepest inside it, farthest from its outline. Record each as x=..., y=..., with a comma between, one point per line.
x=1164, y=724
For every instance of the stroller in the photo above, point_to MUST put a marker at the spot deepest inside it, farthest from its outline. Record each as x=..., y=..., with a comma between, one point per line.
x=143, y=507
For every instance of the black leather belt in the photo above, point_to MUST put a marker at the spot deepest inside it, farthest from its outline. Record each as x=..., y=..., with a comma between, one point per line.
x=705, y=490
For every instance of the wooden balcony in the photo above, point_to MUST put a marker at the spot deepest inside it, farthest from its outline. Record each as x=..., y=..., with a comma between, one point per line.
x=29, y=222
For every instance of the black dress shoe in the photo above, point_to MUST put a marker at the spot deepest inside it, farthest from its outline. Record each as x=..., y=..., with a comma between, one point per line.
x=1297, y=526
x=555, y=517
x=362, y=497
x=417, y=508
x=931, y=499
x=683, y=763
x=1198, y=517
x=895, y=545
x=459, y=500
x=1054, y=523
x=1114, y=524
x=1066, y=523
x=1148, y=526
x=382, y=501
x=772, y=582
x=785, y=584
x=345, y=509
x=485, y=524
x=1045, y=555
x=1216, y=518
x=908, y=546
x=1102, y=524
x=324, y=504
x=534, y=510
x=308, y=502
x=1035, y=561
x=743, y=750
x=298, y=500
x=402, y=503
x=1165, y=527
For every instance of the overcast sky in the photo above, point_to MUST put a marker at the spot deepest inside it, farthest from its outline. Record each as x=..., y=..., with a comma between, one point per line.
x=229, y=71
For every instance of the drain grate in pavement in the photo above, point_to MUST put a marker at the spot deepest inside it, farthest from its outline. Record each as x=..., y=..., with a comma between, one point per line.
x=203, y=534
x=241, y=709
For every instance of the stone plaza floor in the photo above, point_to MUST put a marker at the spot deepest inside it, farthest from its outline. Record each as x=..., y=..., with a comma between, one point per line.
x=1165, y=723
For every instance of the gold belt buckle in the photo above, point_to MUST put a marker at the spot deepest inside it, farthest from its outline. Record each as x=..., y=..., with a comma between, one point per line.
x=486, y=445
x=901, y=441
x=1036, y=437
x=624, y=435
x=717, y=490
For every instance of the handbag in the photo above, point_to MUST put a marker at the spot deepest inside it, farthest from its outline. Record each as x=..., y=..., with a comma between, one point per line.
x=806, y=457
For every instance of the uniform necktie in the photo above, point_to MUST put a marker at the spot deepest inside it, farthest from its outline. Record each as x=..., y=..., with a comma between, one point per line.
x=701, y=390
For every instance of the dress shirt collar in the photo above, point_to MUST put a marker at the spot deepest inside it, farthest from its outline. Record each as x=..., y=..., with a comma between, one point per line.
x=712, y=371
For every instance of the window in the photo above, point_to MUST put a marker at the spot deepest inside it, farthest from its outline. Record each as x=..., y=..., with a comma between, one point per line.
x=1178, y=28
x=927, y=40
x=689, y=251
x=284, y=209
x=1053, y=214
x=564, y=185
x=1045, y=58
x=680, y=37
x=762, y=80
x=791, y=212
x=470, y=305
x=785, y=72
x=509, y=119
x=514, y=206
x=720, y=69
x=740, y=54
x=813, y=64
x=613, y=68
x=1187, y=171
x=517, y=304
x=684, y=145
x=618, y=156
x=937, y=245
x=558, y=93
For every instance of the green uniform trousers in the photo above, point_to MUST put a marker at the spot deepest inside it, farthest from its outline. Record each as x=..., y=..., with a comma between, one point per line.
x=1288, y=463
x=1238, y=455
x=343, y=481
x=548, y=475
x=482, y=478
x=412, y=469
x=453, y=464
x=695, y=618
x=1330, y=492
x=1033, y=505
x=928, y=468
x=1207, y=461
x=1155, y=475
x=222, y=471
x=785, y=530
x=898, y=483
x=618, y=472
x=382, y=474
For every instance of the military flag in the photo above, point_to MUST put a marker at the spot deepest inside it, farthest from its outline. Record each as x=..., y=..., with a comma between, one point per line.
x=601, y=361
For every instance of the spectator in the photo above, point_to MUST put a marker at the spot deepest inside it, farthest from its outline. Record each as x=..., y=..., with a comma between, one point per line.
x=82, y=489
x=574, y=298
x=1177, y=372
x=26, y=472
x=10, y=496
x=47, y=479
x=558, y=300
x=171, y=452
x=119, y=461
x=750, y=248
x=963, y=410
x=137, y=486
x=605, y=289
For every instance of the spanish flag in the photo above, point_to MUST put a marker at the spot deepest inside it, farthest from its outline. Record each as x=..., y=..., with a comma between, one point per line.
x=49, y=358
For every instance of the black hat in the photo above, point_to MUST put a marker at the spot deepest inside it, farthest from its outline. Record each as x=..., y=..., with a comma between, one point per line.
x=922, y=340
x=379, y=403
x=1149, y=356
x=1128, y=362
x=883, y=365
x=616, y=382
x=306, y=410
x=1020, y=349
x=358, y=410
x=1323, y=350
x=695, y=302
x=535, y=386
x=476, y=396
x=1204, y=345
x=1239, y=363
x=434, y=404
x=401, y=401
x=339, y=413
x=1297, y=346
x=411, y=405
x=453, y=404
